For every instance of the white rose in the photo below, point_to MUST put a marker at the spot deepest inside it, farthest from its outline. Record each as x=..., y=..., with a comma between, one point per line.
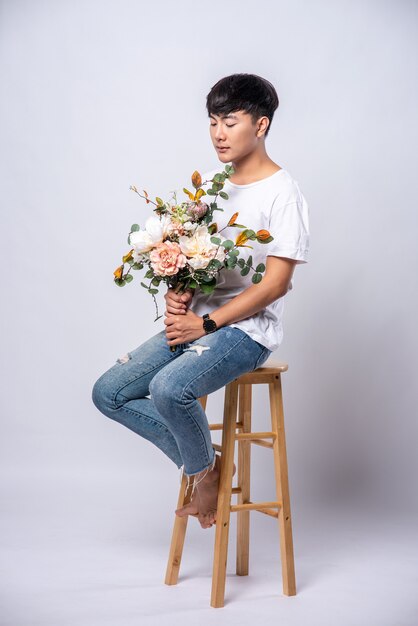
x=141, y=241
x=155, y=231
x=199, y=262
x=199, y=243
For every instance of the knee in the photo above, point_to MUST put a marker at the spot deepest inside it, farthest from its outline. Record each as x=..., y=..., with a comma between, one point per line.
x=162, y=392
x=101, y=395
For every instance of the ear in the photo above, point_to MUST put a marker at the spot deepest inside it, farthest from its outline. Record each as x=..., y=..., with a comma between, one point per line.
x=262, y=124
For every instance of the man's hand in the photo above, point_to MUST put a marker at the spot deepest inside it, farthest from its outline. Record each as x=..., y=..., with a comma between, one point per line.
x=177, y=304
x=183, y=328
x=182, y=325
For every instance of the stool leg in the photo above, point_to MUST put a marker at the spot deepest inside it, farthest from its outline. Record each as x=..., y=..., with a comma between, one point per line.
x=282, y=486
x=177, y=539
x=244, y=473
x=180, y=527
x=224, y=496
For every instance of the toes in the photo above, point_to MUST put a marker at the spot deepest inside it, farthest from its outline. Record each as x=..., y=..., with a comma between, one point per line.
x=207, y=521
x=184, y=510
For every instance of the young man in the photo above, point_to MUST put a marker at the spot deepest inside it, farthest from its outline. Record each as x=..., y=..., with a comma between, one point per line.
x=241, y=109
x=245, y=319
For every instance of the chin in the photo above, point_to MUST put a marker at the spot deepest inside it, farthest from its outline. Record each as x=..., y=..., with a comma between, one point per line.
x=224, y=158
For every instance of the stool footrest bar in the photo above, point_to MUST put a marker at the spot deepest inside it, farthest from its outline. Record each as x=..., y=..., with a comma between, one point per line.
x=264, y=444
x=264, y=435
x=219, y=426
x=255, y=506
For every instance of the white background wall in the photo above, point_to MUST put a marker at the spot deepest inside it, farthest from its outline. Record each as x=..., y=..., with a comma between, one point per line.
x=97, y=96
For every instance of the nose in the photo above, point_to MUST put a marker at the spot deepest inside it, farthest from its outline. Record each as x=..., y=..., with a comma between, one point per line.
x=219, y=133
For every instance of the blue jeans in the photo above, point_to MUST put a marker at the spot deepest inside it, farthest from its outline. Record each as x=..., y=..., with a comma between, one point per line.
x=173, y=418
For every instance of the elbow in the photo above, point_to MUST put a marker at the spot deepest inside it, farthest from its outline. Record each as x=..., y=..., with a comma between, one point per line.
x=278, y=291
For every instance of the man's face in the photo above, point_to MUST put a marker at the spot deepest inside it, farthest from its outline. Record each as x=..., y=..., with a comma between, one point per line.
x=236, y=132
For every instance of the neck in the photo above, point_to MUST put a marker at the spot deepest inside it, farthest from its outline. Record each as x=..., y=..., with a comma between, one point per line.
x=253, y=167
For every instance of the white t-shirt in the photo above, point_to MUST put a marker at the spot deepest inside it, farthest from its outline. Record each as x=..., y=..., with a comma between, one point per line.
x=276, y=204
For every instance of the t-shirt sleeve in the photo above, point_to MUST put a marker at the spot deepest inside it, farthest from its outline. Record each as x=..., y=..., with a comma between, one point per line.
x=289, y=225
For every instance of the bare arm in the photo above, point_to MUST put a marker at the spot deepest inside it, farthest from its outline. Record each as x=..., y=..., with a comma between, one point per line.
x=184, y=325
x=274, y=285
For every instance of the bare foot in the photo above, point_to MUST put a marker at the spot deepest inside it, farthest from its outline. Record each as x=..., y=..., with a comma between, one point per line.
x=192, y=507
x=204, y=500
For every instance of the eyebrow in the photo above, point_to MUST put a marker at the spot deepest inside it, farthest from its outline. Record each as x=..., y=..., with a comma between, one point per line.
x=234, y=117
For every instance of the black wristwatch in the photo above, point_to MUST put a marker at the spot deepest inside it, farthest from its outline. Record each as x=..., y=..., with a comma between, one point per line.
x=209, y=325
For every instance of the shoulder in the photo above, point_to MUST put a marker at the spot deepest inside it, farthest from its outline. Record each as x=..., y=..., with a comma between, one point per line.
x=287, y=190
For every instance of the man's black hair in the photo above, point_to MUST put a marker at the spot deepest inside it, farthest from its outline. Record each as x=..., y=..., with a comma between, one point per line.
x=243, y=92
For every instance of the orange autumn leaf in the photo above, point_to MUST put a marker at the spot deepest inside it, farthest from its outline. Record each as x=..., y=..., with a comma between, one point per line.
x=128, y=256
x=118, y=272
x=199, y=193
x=233, y=219
x=189, y=193
x=241, y=239
x=196, y=179
x=263, y=234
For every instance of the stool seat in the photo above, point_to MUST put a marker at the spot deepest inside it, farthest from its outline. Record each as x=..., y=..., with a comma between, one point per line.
x=238, y=399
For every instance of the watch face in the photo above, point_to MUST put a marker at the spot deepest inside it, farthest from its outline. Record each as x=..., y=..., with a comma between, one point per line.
x=209, y=325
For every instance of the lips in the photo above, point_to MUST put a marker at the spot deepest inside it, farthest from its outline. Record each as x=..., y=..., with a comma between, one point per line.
x=222, y=147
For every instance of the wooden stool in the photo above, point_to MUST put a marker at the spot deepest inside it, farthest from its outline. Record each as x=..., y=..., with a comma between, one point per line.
x=269, y=373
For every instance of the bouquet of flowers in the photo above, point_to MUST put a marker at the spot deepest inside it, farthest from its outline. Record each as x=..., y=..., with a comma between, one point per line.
x=181, y=245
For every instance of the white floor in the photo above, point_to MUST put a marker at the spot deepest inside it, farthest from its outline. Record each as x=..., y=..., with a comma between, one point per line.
x=88, y=552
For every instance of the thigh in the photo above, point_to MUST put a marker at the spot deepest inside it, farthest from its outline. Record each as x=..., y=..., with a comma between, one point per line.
x=209, y=363
x=130, y=376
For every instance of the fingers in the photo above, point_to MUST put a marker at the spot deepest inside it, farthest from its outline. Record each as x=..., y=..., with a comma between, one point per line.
x=177, y=303
x=174, y=311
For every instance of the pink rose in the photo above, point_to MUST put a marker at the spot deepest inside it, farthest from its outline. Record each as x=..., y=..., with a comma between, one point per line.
x=167, y=258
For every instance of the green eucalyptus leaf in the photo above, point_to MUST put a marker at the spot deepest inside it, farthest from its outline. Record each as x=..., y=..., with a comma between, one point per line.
x=256, y=278
x=134, y=228
x=245, y=271
x=129, y=278
x=260, y=267
x=207, y=288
